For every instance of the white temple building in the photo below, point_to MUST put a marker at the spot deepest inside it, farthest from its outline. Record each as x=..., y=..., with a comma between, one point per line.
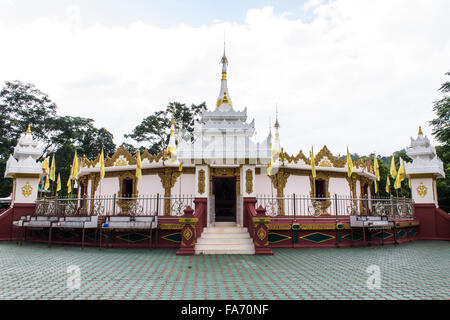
x=223, y=162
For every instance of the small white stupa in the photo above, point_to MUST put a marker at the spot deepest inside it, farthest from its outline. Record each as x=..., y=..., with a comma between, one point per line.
x=423, y=171
x=24, y=168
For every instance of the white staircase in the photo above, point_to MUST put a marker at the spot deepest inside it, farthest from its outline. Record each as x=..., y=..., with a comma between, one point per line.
x=225, y=238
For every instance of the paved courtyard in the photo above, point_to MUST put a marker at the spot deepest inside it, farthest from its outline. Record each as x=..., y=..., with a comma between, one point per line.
x=418, y=270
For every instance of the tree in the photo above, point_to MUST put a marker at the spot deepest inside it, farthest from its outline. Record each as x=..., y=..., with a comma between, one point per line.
x=441, y=130
x=155, y=129
x=22, y=104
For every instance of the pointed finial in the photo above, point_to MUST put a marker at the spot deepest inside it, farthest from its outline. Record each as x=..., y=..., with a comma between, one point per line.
x=420, y=131
x=277, y=125
x=29, y=130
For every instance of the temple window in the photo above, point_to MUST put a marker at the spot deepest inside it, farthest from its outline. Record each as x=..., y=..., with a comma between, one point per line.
x=320, y=189
x=127, y=187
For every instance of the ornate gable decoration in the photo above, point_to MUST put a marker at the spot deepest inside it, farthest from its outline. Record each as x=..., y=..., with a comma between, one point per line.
x=120, y=158
x=85, y=162
x=96, y=162
x=152, y=157
x=298, y=159
x=326, y=159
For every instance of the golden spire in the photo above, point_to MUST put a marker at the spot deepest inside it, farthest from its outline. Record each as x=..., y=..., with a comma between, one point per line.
x=420, y=130
x=29, y=130
x=277, y=124
x=172, y=127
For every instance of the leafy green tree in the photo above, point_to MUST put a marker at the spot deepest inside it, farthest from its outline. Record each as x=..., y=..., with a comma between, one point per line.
x=441, y=130
x=22, y=104
x=155, y=129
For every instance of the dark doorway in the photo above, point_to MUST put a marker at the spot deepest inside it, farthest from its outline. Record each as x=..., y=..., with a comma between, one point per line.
x=225, y=199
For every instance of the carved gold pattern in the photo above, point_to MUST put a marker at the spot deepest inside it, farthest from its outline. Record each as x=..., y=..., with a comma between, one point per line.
x=294, y=159
x=27, y=190
x=325, y=153
x=187, y=234
x=317, y=227
x=83, y=184
x=325, y=163
x=249, y=181
x=121, y=163
x=122, y=151
x=168, y=226
x=168, y=178
x=201, y=181
x=279, y=227
x=261, y=234
x=279, y=183
x=422, y=190
x=226, y=172
x=128, y=175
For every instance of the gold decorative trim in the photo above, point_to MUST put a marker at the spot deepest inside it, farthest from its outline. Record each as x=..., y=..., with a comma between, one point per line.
x=169, y=226
x=328, y=158
x=128, y=175
x=188, y=220
x=249, y=181
x=294, y=159
x=279, y=227
x=317, y=227
x=201, y=181
x=279, y=181
x=122, y=151
x=168, y=178
x=261, y=220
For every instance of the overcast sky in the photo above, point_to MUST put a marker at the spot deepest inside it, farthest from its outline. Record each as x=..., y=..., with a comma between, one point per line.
x=357, y=73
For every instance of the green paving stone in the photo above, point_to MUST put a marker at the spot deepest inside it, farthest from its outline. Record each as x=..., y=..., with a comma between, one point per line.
x=417, y=270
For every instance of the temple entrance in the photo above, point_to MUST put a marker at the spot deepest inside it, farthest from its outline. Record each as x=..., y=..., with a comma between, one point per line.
x=224, y=190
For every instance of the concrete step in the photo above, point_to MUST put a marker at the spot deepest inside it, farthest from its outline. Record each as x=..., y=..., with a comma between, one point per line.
x=234, y=235
x=230, y=251
x=224, y=241
x=225, y=238
x=225, y=230
x=225, y=249
x=225, y=224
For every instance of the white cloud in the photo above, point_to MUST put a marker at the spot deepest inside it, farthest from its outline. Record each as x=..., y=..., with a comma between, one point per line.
x=361, y=73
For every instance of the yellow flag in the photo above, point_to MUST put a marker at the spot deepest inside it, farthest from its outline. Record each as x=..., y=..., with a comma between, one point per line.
x=69, y=186
x=376, y=186
x=349, y=164
x=393, y=170
x=58, y=183
x=53, y=169
x=45, y=166
x=388, y=184
x=47, y=183
x=376, y=167
x=313, y=163
x=400, y=177
x=138, y=165
x=180, y=167
x=102, y=166
x=409, y=183
x=74, y=171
